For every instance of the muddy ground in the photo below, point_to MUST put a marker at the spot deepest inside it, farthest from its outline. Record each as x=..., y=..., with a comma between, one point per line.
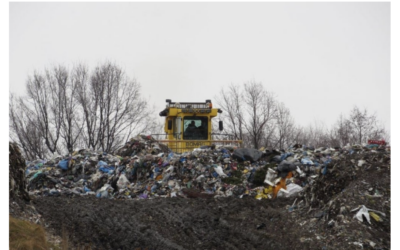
x=174, y=223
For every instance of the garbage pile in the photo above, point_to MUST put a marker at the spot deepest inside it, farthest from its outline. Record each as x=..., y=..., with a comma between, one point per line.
x=144, y=169
x=323, y=198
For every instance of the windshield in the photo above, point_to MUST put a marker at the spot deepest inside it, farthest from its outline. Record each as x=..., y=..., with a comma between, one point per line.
x=195, y=128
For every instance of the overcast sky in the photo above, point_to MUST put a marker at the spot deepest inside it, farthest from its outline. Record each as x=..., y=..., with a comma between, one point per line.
x=320, y=59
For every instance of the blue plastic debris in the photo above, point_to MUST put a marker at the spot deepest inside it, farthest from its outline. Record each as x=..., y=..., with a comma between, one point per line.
x=286, y=155
x=102, y=163
x=306, y=161
x=325, y=170
x=106, y=169
x=63, y=164
x=226, y=156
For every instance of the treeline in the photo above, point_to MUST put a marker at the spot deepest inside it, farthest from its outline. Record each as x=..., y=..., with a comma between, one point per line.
x=254, y=115
x=74, y=108
x=101, y=109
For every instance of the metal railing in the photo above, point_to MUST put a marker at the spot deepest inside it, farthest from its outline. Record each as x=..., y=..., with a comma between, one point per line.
x=181, y=146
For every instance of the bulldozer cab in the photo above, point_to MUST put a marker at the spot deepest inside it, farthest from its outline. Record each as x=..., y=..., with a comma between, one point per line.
x=188, y=125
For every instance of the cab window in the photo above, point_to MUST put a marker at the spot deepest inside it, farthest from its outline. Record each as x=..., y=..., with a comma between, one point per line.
x=195, y=128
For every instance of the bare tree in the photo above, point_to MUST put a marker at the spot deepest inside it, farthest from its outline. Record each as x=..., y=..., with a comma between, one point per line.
x=111, y=106
x=365, y=126
x=23, y=131
x=341, y=132
x=261, y=110
x=248, y=113
x=87, y=104
x=65, y=109
x=360, y=123
x=298, y=135
x=284, y=126
x=62, y=89
x=45, y=106
x=316, y=135
x=319, y=134
x=230, y=102
x=51, y=108
x=385, y=135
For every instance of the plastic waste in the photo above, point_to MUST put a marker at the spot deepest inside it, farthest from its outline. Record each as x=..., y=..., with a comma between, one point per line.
x=284, y=168
x=143, y=196
x=363, y=212
x=270, y=176
x=219, y=170
x=36, y=175
x=63, y=164
x=292, y=190
x=284, y=156
x=122, y=182
x=306, y=161
x=103, y=192
x=102, y=164
x=85, y=189
x=301, y=173
x=265, y=193
x=247, y=154
x=361, y=162
x=375, y=216
x=134, y=171
x=108, y=169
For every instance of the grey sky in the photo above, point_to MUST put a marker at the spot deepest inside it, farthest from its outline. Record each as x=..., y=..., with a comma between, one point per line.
x=320, y=59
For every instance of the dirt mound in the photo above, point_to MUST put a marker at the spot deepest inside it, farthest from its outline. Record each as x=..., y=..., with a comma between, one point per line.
x=175, y=223
x=332, y=202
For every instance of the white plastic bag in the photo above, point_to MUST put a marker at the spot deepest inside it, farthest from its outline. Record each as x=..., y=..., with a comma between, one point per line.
x=122, y=182
x=220, y=172
x=364, y=211
x=291, y=190
x=103, y=192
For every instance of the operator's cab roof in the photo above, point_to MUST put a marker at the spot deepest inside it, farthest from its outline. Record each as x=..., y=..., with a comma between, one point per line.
x=185, y=105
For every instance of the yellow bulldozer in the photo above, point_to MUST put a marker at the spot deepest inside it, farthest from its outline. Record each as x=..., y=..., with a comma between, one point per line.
x=188, y=126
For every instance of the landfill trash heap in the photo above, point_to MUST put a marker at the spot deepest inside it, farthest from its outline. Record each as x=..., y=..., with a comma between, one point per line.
x=145, y=169
x=322, y=198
